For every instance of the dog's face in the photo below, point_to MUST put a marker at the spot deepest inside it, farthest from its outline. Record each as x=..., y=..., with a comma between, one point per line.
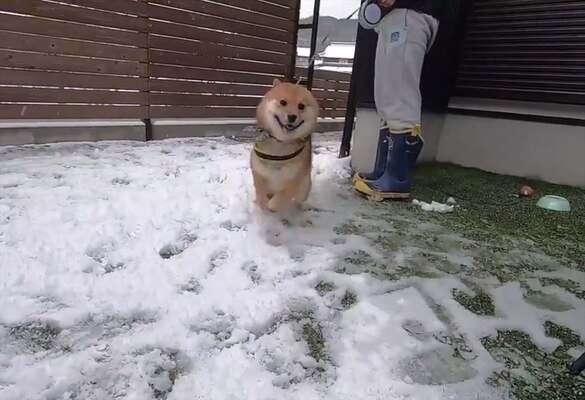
x=289, y=112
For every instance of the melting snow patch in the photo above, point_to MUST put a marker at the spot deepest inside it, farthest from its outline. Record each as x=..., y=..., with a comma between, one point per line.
x=434, y=206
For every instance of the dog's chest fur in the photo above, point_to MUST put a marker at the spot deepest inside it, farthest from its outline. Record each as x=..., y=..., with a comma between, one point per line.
x=278, y=174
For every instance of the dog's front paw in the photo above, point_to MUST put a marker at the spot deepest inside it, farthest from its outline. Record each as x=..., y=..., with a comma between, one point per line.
x=275, y=204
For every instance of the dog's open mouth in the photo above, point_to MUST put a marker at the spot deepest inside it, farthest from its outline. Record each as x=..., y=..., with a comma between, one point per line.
x=289, y=127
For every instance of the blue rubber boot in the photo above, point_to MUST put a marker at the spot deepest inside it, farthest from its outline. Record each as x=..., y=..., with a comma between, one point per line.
x=381, y=156
x=395, y=182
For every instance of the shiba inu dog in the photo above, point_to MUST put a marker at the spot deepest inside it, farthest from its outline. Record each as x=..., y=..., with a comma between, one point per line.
x=281, y=160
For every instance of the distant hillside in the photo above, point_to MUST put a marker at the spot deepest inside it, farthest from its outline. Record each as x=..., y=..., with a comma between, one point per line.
x=337, y=30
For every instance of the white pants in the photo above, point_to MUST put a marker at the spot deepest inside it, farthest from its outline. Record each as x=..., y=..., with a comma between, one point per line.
x=404, y=38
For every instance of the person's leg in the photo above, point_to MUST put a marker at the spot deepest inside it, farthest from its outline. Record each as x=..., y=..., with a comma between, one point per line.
x=404, y=38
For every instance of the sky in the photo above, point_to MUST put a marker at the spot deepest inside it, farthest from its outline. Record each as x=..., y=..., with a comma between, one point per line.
x=334, y=8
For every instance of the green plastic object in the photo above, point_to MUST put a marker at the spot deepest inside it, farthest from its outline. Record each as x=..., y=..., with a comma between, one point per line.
x=554, y=203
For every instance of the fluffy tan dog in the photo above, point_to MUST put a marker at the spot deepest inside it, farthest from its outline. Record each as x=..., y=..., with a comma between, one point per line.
x=282, y=156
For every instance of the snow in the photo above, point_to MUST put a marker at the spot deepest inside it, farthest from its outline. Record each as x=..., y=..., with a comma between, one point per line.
x=434, y=206
x=339, y=50
x=337, y=69
x=303, y=51
x=143, y=270
x=334, y=8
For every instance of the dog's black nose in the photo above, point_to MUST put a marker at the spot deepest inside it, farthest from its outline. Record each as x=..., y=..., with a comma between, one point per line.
x=292, y=119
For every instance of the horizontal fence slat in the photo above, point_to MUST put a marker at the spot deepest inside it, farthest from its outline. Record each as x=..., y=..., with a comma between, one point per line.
x=329, y=94
x=40, y=8
x=262, y=7
x=44, y=44
x=213, y=100
x=45, y=95
x=70, y=30
x=334, y=100
x=329, y=85
x=285, y=3
x=63, y=79
x=332, y=104
x=222, y=11
x=191, y=32
x=132, y=7
x=201, y=112
x=333, y=113
x=165, y=57
x=62, y=111
x=169, y=71
x=74, y=64
x=212, y=22
x=326, y=75
x=166, y=85
x=201, y=100
x=214, y=49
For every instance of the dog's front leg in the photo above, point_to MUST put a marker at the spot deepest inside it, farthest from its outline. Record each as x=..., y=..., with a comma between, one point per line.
x=277, y=202
x=262, y=195
x=283, y=198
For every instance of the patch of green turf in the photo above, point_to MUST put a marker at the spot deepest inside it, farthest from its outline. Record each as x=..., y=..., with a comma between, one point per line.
x=349, y=299
x=35, y=336
x=545, y=375
x=489, y=209
x=480, y=304
x=567, y=284
x=324, y=287
x=349, y=228
x=315, y=340
x=569, y=338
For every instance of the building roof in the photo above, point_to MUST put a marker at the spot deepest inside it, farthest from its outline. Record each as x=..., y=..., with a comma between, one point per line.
x=339, y=50
x=347, y=70
x=303, y=51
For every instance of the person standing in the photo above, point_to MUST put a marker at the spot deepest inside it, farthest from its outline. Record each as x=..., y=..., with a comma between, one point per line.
x=406, y=32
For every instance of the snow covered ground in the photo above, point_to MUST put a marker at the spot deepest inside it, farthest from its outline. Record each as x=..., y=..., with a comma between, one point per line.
x=143, y=271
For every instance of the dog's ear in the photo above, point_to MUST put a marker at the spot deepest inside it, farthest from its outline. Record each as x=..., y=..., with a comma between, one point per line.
x=276, y=82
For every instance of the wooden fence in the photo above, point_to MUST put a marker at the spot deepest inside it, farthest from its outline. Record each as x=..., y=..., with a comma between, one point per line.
x=331, y=90
x=76, y=59
x=83, y=59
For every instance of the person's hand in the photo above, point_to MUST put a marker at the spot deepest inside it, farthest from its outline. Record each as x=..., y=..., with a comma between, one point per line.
x=386, y=3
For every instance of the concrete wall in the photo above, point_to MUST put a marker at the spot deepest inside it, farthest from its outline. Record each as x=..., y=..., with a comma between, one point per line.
x=550, y=152
x=38, y=132
x=432, y=127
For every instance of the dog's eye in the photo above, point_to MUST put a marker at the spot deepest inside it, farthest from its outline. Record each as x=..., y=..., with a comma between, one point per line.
x=283, y=103
x=301, y=106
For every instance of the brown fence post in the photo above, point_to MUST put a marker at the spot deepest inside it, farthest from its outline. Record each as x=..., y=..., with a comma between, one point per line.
x=147, y=121
x=290, y=75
